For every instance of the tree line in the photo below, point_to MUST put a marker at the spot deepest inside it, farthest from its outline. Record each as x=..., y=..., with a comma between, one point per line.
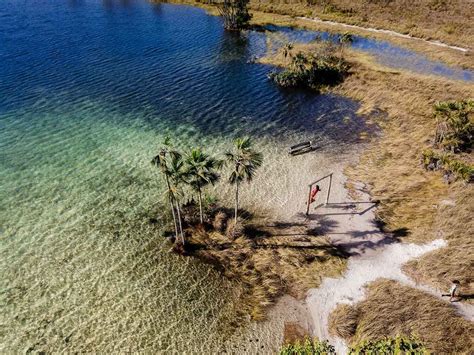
x=196, y=170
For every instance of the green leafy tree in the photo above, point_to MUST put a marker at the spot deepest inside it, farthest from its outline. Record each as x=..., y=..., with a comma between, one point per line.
x=160, y=161
x=244, y=162
x=235, y=13
x=200, y=170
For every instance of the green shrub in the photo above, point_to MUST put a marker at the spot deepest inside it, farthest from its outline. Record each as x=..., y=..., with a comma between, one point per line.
x=455, y=125
x=436, y=161
x=308, y=347
x=313, y=70
x=397, y=345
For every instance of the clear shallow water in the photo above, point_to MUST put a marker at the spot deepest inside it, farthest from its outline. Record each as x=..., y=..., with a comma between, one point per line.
x=88, y=92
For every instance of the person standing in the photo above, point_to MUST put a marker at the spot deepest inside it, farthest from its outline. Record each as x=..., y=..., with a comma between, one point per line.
x=454, y=291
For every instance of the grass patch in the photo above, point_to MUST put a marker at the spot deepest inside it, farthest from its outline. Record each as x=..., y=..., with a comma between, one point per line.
x=267, y=261
x=389, y=345
x=448, y=163
x=455, y=125
x=308, y=346
x=391, y=309
x=433, y=19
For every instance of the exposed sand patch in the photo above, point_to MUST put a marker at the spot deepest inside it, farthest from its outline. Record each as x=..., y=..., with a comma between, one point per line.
x=350, y=224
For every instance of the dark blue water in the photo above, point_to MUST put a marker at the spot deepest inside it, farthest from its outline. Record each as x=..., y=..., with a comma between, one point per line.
x=174, y=60
x=88, y=92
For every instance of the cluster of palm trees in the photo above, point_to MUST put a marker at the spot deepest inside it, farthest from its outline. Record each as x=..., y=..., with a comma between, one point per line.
x=196, y=170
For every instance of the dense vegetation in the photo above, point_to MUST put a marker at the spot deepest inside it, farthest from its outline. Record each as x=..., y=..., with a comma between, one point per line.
x=235, y=13
x=308, y=347
x=454, y=136
x=320, y=68
x=455, y=125
x=389, y=345
x=194, y=170
x=397, y=345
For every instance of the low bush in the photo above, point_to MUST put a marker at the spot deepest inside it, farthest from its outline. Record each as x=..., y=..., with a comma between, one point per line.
x=308, y=347
x=432, y=160
x=455, y=125
x=398, y=345
x=313, y=70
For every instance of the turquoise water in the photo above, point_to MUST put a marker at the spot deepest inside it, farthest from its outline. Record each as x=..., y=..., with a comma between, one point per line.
x=89, y=90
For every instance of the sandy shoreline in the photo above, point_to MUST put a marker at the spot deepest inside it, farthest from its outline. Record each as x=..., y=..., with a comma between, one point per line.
x=374, y=254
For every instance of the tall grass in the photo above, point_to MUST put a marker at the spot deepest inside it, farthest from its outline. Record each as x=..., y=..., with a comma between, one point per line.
x=265, y=265
x=391, y=309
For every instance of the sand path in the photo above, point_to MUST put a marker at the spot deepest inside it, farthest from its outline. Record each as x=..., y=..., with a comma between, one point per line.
x=388, y=32
x=374, y=255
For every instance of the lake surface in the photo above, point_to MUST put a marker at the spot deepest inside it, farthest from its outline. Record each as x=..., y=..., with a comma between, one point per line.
x=385, y=52
x=88, y=92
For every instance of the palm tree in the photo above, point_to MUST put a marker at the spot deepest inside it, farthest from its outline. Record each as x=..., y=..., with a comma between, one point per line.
x=161, y=163
x=167, y=161
x=344, y=40
x=287, y=48
x=244, y=161
x=176, y=170
x=299, y=62
x=200, y=171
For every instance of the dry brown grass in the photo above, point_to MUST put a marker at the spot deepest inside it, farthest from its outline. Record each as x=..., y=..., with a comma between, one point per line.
x=391, y=309
x=456, y=261
x=285, y=15
x=417, y=204
x=413, y=199
x=449, y=21
x=264, y=264
x=449, y=56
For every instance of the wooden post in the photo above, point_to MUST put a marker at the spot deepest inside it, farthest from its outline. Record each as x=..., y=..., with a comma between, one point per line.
x=309, y=200
x=329, y=188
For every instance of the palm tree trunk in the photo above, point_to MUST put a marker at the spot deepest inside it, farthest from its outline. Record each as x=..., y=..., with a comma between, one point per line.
x=174, y=219
x=200, y=206
x=172, y=208
x=179, y=220
x=236, y=200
